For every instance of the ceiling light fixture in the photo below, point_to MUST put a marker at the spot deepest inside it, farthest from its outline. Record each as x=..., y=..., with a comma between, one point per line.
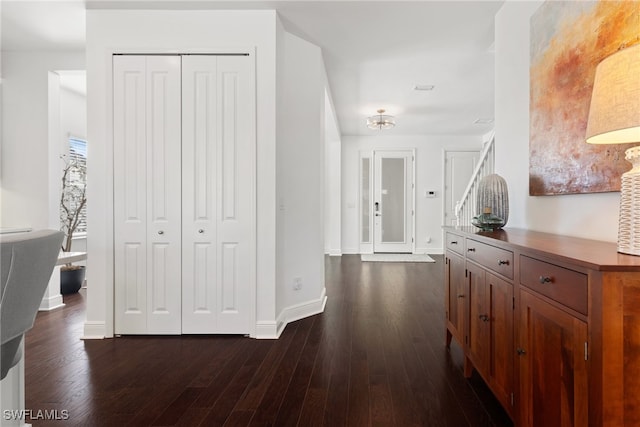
x=381, y=121
x=423, y=87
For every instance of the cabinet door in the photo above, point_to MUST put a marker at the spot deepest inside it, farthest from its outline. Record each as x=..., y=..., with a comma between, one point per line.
x=218, y=164
x=147, y=201
x=490, y=348
x=479, y=316
x=553, y=369
x=456, y=294
x=500, y=324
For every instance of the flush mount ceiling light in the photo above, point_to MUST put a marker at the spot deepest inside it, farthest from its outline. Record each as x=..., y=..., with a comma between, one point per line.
x=381, y=121
x=423, y=87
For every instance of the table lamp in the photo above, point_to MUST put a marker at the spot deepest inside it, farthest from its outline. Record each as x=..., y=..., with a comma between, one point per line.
x=614, y=118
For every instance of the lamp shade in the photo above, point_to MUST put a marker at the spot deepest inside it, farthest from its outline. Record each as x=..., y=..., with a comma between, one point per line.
x=614, y=115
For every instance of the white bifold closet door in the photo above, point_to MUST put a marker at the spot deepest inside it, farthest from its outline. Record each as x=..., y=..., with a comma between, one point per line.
x=218, y=191
x=184, y=194
x=147, y=199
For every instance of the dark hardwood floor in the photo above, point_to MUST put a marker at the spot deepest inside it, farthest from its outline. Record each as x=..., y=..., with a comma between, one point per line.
x=376, y=356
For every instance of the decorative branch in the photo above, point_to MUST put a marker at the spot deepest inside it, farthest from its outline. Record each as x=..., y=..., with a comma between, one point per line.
x=73, y=198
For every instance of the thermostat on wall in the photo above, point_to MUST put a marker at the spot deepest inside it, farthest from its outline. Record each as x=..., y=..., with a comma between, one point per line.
x=430, y=193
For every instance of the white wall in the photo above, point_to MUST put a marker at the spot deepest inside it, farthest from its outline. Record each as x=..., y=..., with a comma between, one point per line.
x=73, y=116
x=28, y=163
x=429, y=176
x=175, y=31
x=300, y=176
x=592, y=216
x=333, y=181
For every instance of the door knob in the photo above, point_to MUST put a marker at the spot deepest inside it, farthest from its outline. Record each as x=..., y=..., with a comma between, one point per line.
x=160, y=232
x=521, y=351
x=201, y=231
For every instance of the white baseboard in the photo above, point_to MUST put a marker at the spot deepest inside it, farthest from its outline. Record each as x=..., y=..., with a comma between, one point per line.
x=266, y=330
x=94, y=330
x=300, y=311
x=350, y=251
x=51, y=303
x=335, y=252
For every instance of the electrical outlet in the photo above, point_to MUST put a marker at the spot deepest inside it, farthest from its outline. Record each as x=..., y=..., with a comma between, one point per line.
x=297, y=283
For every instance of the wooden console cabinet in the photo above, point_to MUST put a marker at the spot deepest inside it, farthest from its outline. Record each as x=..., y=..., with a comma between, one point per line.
x=551, y=323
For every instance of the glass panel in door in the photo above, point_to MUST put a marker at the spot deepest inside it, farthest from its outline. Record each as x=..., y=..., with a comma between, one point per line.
x=392, y=200
x=366, y=200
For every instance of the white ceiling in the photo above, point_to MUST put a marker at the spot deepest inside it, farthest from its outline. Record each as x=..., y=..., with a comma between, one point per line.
x=375, y=52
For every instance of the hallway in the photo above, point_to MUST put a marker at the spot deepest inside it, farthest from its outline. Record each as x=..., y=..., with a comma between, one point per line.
x=376, y=356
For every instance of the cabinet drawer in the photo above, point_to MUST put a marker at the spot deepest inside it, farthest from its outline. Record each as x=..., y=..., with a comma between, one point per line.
x=455, y=243
x=491, y=257
x=565, y=286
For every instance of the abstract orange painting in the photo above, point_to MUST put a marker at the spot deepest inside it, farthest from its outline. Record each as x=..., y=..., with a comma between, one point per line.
x=568, y=40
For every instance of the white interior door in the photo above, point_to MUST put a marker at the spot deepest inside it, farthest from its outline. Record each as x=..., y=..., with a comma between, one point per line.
x=147, y=200
x=184, y=194
x=393, y=201
x=218, y=181
x=458, y=169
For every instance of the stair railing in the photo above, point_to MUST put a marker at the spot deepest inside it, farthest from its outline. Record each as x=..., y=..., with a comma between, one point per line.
x=466, y=207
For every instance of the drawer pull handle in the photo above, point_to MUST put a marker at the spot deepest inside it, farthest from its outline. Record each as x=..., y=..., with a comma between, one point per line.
x=521, y=351
x=460, y=295
x=471, y=249
x=455, y=242
x=545, y=279
x=501, y=262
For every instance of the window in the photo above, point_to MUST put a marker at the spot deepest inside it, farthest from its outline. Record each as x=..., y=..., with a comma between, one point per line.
x=78, y=155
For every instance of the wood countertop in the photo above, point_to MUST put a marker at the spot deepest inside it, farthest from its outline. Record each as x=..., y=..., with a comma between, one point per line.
x=592, y=254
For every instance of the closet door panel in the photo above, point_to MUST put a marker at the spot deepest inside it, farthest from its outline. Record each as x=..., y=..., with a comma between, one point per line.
x=199, y=130
x=235, y=168
x=218, y=192
x=164, y=197
x=147, y=213
x=130, y=208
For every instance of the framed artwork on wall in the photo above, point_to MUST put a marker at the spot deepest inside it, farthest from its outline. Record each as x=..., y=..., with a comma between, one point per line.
x=568, y=40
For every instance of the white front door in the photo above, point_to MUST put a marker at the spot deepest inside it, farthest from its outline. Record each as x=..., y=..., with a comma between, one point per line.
x=393, y=201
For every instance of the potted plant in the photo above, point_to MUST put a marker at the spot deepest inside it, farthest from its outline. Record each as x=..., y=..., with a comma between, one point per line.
x=72, y=200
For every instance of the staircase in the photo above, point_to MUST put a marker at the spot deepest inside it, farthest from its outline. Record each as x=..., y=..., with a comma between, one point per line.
x=466, y=206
